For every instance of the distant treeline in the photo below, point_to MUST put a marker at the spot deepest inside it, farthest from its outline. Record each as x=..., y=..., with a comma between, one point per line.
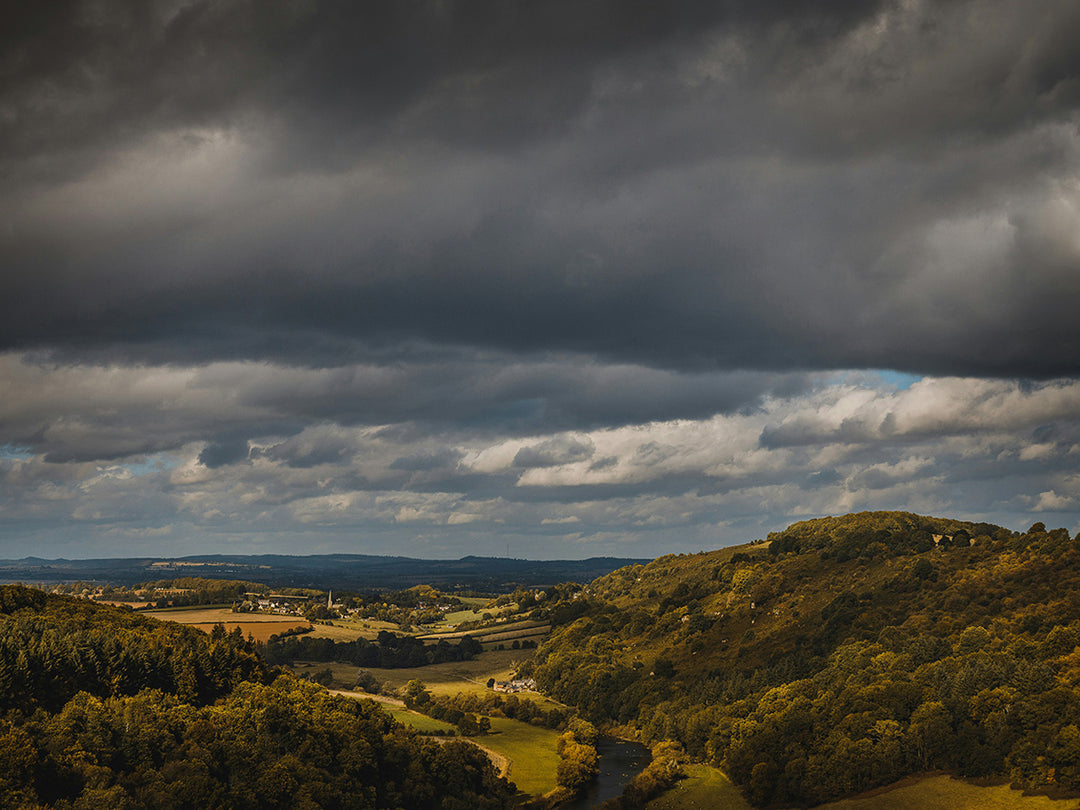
x=388, y=651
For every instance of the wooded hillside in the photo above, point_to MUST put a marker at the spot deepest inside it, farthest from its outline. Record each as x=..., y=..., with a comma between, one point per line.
x=105, y=708
x=840, y=654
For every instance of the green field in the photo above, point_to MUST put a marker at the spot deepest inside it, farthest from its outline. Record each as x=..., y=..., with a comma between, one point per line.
x=946, y=793
x=421, y=722
x=468, y=677
x=492, y=637
x=459, y=616
x=531, y=751
x=344, y=674
x=352, y=628
x=708, y=787
x=704, y=787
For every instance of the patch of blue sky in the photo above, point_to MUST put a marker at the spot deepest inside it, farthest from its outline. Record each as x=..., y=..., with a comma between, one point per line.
x=14, y=452
x=873, y=378
x=151, y=464
x=899, y=379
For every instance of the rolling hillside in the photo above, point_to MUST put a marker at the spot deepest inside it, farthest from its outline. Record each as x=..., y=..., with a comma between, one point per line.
x=839, y=655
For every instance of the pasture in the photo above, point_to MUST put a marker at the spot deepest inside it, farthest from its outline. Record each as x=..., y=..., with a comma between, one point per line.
x=467, y=677
x=708, y=787
x=344, y=674
x=704, y=787
x=341, y=632
x=421, y=722
x=491, y=637
x=459, y=616
x=942, y=792
x=530, y=750
x=351, y=628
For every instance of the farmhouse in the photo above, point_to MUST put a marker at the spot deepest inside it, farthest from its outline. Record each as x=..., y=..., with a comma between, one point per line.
x=520, y=685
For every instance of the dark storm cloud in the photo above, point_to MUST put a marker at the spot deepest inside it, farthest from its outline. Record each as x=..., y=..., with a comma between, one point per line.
x=738, y=185
x=221, y=453
x=90, y=412
x=484, y=72
x=426, y=461
x=446, y=272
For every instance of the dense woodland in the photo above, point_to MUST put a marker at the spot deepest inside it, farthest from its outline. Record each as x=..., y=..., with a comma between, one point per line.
x=106, y=708
x=842, y=654
x=388, y=651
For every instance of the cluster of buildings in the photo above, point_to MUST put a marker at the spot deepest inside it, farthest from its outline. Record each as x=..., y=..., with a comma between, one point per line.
x=519, y=685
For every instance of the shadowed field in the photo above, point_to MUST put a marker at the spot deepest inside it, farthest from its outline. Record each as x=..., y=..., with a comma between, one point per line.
x=709, y=788
x=945, y=793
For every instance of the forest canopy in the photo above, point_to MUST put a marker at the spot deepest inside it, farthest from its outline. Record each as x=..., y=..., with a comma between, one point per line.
x=840, y=655
x=106, y=708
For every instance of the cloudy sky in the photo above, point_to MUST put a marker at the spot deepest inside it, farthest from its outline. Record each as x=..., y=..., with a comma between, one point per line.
x=557, y=278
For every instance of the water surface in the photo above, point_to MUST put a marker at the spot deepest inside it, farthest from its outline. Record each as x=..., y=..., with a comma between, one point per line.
x=620, y=761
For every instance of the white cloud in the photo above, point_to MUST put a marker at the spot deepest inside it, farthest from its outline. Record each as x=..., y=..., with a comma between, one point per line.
x=986, y=448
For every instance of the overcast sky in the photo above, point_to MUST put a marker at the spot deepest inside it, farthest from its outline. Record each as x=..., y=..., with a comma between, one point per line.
x=555, y=277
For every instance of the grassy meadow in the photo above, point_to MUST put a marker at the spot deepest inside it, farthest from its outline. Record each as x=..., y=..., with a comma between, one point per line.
x=531, y=751
x=466, y=677
x=491, y=637
x=421, y=722
x=945, y=793
x=350, y=629
x=707, y=787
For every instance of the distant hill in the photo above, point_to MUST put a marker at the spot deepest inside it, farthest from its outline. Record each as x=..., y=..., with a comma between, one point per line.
x=325, y=571
x=839, y=655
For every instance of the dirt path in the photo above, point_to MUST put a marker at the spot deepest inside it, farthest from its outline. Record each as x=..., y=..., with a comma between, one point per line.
x=362, y=695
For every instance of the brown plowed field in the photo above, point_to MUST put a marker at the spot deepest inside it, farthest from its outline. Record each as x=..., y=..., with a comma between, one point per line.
x=259, y=626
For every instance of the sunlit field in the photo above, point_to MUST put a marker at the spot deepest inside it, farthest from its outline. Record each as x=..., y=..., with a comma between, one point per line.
x=704, y=787
x=258, y=626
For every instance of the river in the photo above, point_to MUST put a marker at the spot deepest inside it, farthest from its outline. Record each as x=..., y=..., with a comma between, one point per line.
x=620, y=761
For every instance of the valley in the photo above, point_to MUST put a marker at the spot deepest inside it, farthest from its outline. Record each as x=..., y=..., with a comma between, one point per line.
x=863, y=662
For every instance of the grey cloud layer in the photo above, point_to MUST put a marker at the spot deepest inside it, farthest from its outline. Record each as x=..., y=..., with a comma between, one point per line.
x=574, y=274
x=708, y=185
x=90, y=412
x=1004, y=452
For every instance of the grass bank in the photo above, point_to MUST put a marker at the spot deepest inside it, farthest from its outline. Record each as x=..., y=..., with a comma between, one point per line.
x=708, y=787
